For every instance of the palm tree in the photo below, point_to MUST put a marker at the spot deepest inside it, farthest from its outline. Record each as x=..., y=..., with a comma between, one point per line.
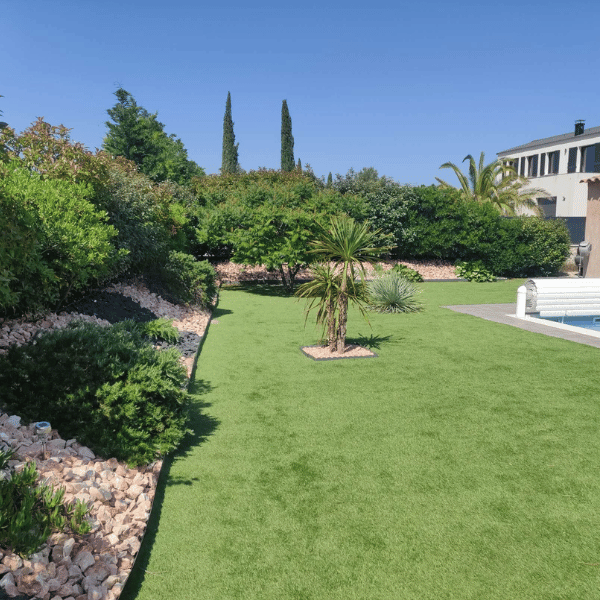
x=346, y=245
x=497, y=182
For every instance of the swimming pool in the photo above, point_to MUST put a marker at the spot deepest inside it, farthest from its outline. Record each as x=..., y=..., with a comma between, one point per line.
x=585, y=321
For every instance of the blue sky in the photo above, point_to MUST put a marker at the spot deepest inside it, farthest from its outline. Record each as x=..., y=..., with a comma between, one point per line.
x=399, y=86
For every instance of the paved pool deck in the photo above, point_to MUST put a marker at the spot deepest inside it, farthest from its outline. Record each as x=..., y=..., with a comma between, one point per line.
x=502, y=313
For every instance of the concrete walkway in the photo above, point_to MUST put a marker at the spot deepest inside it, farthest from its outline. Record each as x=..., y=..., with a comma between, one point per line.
x=503, y=313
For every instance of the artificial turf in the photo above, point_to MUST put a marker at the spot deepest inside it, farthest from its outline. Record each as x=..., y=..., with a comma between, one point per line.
x=463, y=462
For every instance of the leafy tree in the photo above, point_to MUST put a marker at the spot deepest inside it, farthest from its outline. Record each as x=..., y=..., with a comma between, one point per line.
x=266, y=217
x=287, y=140
x=229, y=163
x=329, y=179
x=497, y=183
x=138, y=136
x=348, y=245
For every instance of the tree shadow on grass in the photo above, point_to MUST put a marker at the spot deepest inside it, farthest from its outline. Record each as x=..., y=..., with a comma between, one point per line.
x=274, y=289
x=371, y=342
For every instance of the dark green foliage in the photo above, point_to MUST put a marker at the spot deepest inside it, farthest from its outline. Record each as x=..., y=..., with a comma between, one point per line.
x=387, y=201
x=299, y=166
x=30, y=512
x=139, y=136
x=121, y=398
x=229, y=162
x=447, y=227
x=528, y=247
x=190, y=281
x=130, y=202
x=474, y=271
x=329, y=179
x=54, y=240
x=287, y=140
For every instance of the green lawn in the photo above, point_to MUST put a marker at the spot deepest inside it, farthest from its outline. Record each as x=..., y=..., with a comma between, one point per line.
x=463, y=462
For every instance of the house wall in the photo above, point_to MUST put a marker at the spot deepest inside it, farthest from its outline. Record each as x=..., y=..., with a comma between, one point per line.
x=571, y=196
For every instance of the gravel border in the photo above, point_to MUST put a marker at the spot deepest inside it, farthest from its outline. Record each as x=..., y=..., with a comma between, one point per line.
x=372, y=355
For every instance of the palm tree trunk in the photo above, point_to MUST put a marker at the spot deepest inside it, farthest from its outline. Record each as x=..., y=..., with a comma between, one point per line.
x=331, y=325
x=342, y=318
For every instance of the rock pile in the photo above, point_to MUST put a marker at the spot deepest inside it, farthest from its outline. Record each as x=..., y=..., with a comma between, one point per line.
x=189, y=321
x=90, y=567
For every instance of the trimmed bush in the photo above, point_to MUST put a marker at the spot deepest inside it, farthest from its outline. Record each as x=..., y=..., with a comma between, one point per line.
x=188, y=280
x=122, y=398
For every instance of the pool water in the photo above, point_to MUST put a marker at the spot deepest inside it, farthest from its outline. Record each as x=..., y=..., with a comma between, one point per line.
x=585, y=321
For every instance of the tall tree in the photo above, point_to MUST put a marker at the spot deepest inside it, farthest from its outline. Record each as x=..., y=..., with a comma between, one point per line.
x=287, y=140
x=139, y=136
x=329, y=180
x=229, y=161
x=299, y=166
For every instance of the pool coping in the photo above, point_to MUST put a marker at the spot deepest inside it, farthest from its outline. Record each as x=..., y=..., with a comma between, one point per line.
x=506, y=314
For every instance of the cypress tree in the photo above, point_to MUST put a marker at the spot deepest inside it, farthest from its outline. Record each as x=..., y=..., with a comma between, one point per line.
x=329, y=180
x=229, y=162
x=299, y=166
x=287, y=140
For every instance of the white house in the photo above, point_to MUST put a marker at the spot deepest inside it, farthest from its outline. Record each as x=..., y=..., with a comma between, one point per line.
x=555, y=164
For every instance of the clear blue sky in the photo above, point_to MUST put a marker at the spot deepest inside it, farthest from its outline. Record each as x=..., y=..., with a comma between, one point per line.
x=399, y=86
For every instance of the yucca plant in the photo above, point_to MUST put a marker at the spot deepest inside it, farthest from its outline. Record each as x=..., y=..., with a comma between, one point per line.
x=392, y=293
x=346, y=244
x=323, y=292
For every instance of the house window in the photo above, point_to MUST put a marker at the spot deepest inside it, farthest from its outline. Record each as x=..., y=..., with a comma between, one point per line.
x=572, y=164
x=590, y=159
x=522, y=171
x=543, y=164
x=553, y=159
x=532, y=168
x=548, y=206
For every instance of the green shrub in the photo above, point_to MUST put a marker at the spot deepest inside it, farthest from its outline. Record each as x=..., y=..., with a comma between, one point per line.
x=189, y=280
x=57, y=241
x=122, y=398
x=474, y=271
x=130, y=203
x=30, y=512
x=406, y=272
x=392, y=293
x=529, y=247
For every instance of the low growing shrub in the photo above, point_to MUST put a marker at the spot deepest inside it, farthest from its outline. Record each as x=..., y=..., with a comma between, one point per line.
x=106, y=386
x=392, y=293
x=30, y=512
x=474, y=271
x=406, y=272
x=189, y=280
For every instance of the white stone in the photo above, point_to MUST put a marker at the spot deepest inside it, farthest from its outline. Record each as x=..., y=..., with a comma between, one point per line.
x=14, y=421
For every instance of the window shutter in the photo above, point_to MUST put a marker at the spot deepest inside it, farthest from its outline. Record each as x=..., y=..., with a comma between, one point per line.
x=556, y=161
x=534, y=165
x=543, y=164
x=597, y=158
x=572, y=160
